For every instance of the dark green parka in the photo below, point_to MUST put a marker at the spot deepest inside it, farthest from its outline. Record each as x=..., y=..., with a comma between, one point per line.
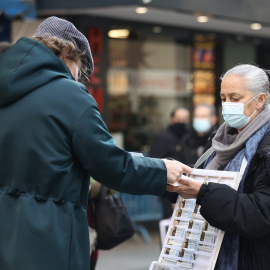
x=52, y=139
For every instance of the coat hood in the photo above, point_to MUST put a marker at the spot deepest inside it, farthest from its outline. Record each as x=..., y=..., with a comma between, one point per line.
x=26, y=66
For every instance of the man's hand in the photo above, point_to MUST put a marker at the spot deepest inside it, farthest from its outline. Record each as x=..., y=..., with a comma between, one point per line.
x=175, y=169
x=188, y=188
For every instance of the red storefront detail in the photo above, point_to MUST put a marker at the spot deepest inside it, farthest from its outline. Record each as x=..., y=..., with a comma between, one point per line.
x=95, y=39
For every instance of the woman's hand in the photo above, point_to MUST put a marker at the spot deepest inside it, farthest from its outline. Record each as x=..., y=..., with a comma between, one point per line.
x=175, y=169
x=188, y=188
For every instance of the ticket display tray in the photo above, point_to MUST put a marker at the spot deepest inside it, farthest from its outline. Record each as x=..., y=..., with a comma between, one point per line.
x=191, y=242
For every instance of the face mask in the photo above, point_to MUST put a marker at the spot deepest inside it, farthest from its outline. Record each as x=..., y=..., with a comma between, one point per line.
x=233, y=114
x=201, y=125
x=179, y=129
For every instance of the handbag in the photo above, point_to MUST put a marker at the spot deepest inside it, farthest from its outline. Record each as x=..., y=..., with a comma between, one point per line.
x=112, y=222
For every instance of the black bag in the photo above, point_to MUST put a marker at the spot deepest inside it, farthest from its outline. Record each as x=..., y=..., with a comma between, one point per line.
x=112, y=222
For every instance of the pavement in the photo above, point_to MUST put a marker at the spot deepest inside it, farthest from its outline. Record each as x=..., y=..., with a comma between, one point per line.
x=133, y=254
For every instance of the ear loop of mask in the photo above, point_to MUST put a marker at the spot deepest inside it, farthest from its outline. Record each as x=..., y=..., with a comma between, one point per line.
x=255, y=109
x=251, y=100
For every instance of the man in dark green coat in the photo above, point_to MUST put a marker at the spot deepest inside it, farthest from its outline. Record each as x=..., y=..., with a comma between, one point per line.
x=52, y=139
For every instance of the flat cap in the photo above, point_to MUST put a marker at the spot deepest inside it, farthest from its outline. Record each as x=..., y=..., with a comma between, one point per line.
x=65, y=30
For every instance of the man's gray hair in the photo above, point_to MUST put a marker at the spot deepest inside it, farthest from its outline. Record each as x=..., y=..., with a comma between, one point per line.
x=212, y=108
x=256, y=79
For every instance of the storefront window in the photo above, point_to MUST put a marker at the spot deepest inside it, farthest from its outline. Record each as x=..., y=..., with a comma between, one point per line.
x=147, y=78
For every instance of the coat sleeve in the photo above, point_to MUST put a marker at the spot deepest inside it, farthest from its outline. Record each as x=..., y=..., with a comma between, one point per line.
x=247, y=215
x=110, y=165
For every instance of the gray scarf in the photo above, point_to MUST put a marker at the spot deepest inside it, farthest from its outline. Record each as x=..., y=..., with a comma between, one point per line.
x=227, y=141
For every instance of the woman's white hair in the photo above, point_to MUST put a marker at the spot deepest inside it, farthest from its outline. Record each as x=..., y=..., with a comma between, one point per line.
x=256, y=79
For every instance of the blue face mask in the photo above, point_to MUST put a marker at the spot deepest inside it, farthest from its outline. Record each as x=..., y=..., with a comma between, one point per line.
x=233, y=114
x=201, y=125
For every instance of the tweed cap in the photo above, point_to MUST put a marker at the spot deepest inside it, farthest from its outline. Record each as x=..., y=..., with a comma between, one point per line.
x=65, y=30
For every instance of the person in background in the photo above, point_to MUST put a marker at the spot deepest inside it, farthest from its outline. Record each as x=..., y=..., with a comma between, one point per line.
x=52, y=140
x=244, y=138
x=4, y=46
x=167, y=144
x=194, y=142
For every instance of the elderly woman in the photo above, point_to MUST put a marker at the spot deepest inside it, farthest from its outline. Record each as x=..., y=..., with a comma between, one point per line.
x=52, y=139
x=244, y=215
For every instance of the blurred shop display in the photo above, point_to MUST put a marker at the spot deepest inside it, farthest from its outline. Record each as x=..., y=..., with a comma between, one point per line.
x=204, y=70
x=147, y=78
x=97, y=80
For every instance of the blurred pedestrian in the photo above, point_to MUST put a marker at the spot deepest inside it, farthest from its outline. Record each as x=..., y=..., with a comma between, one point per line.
x=168, y=144
x=203, y=124
x=52, y=139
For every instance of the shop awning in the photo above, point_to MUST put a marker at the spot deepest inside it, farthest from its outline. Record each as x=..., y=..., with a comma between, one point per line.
x=232, y=16
x=14, y=8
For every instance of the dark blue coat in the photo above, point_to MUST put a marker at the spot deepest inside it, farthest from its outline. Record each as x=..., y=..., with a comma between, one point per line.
x=52, y=139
